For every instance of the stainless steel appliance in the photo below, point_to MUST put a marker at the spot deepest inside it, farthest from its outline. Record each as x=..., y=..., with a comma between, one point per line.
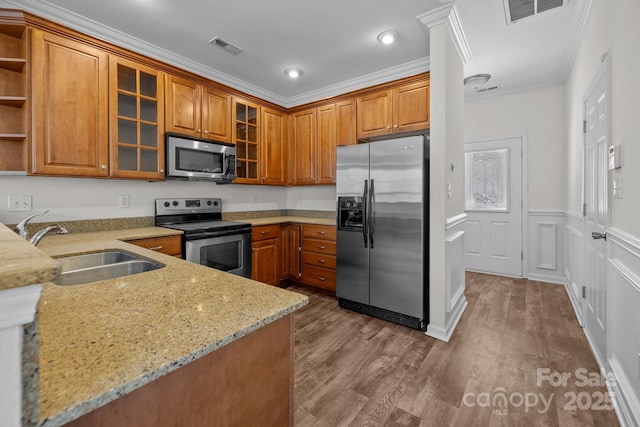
x=383, y=237
x=207, y=240
x=199, y=160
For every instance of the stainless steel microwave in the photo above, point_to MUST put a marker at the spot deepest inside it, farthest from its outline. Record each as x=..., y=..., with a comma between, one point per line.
x=199, y=160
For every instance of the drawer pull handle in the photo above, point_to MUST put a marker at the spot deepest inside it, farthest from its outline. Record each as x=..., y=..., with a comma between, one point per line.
x=321, y=261
x=322, y=233
x=321, y=247
x=322, y=279
x=156, y=248
x=265, y=232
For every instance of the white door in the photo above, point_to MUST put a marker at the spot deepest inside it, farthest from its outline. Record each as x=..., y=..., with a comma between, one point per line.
x=597, y=212
x=493, y=203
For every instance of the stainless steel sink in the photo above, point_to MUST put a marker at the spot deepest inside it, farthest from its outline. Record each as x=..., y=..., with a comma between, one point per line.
x=94, y=267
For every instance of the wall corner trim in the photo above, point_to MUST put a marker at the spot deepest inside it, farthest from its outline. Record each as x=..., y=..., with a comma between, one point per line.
x=446, y=333
x=18, y=305
x=448, y=14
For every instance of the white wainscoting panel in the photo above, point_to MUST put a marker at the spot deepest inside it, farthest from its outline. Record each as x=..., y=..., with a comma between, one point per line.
x=546, y=255
x=499, y=237
x=623, y=323
x=456, y=302
x=573, y=260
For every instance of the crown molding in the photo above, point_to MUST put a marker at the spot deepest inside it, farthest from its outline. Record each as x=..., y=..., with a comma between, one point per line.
x=96, y=29
x=578, y=27
x=121, y=39
x=408, y=69
x=448, y=14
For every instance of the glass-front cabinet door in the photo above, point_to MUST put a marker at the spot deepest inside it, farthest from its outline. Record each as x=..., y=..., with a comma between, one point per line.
x=246, y=136
x=137, y=120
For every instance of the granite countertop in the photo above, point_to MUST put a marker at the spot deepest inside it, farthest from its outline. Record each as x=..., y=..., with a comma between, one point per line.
x=101, y=340
x=22, y=263
x=286, y=219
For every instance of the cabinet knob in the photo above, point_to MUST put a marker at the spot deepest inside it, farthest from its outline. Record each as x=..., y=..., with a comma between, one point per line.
x=103, y=167
x=389, y=127
x=321, y=261
x=314, y=179
x=395, y=126
x=199, y=130
x=162, y=170
x=322, y=279
x=206, y=131
x=321, y=247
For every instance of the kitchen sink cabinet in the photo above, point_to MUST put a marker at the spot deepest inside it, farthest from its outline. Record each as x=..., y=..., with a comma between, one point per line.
x=70, y=87
x=394, y=110
x=266, y=251
x=168, y=245
x=246, y=382
x=273, y=159
x=13, y=91
x=198, y=110
x=136, y=120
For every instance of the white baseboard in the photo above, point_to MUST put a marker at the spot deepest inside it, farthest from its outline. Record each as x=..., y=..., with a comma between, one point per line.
x=456, y=315
x=547, y=279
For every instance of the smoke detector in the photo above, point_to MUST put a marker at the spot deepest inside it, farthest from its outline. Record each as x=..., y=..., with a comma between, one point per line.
x=226, y=46
x=516, y=10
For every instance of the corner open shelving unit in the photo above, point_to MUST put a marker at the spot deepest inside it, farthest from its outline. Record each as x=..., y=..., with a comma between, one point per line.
x=13, y=93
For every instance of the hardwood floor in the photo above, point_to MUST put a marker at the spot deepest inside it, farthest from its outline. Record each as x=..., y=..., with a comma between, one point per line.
x=502, y=367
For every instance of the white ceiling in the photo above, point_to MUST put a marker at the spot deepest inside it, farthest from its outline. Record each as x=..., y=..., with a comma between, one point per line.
x=333, y=41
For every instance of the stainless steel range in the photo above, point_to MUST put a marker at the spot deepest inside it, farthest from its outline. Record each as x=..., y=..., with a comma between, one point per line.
x=208, y=240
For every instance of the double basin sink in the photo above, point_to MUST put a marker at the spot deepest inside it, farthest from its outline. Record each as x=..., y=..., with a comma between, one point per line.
x=97, y=266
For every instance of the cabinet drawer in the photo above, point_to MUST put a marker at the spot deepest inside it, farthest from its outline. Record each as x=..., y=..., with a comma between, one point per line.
x=264, y=232
x=319, y=260
x=170, y=245
x=319, y=246
x=319, y=277
x=323, y=232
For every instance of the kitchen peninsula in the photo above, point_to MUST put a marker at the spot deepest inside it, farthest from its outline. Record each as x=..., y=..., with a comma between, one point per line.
x=183, y=343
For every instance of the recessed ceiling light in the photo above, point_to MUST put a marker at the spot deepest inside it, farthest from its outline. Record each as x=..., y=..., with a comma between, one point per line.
x=387, y=37
x=293, y=73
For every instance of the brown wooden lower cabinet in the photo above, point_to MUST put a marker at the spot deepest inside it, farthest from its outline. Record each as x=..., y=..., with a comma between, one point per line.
x=169, y=245
x=247, y=382
x=265, y=254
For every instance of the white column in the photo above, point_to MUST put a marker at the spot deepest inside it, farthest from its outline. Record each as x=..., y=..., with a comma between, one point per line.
x=17, y=307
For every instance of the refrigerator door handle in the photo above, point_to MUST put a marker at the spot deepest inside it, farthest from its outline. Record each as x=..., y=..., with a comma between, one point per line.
x=365, y=225
x=372, y=230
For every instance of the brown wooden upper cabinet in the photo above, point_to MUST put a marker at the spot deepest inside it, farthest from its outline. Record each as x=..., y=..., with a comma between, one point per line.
x=272, y=161
x=246, y=137
x=137, y=120
x=315, y=133
x=197, y=110
x=396, y=110
x=70, y=100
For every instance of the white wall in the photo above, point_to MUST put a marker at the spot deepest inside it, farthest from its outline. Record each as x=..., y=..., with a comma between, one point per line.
x=84, y=198
x=540, y=114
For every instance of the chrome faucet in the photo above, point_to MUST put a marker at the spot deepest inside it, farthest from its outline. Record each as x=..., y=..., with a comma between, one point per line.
x=21, y=228
x=41, y=233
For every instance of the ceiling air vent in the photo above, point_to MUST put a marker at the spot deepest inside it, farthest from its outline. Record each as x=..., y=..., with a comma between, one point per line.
x=516, y=10
x=222, y=44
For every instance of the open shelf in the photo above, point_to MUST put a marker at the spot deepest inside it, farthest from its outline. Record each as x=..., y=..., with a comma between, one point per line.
x=13, y=64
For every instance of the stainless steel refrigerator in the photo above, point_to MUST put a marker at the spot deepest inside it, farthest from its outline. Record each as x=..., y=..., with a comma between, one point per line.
x=382, y=191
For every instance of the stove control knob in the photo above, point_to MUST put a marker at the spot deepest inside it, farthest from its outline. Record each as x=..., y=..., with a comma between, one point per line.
x=166, y=204
x=215, y=203
x=209, y=202
x=175, y=203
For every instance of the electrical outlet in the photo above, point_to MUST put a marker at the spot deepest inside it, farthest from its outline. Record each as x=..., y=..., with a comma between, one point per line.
x=19, y=203
x=123, y=201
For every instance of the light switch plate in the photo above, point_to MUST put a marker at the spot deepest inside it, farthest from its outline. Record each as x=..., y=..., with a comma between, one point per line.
x=617, y=187
x=19, y=203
